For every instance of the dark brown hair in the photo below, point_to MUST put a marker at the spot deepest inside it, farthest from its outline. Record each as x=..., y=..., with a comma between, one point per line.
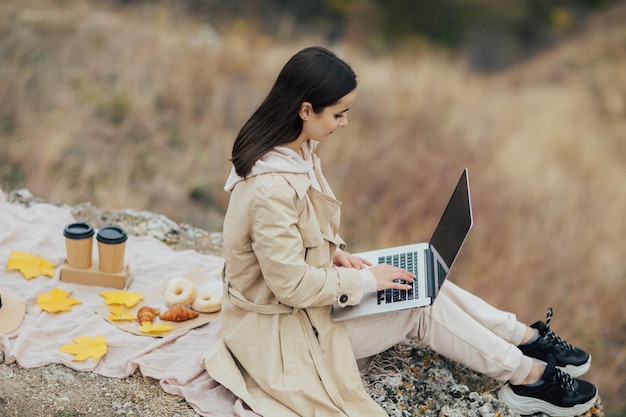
x=314, y=75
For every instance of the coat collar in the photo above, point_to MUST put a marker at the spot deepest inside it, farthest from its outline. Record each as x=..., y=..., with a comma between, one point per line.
x=300, y=182
x=324, y=205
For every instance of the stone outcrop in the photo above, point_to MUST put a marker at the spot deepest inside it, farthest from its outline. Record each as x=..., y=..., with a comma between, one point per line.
x=407, y=380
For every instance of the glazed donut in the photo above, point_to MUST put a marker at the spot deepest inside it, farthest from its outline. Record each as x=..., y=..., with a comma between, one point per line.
x=180, y=291
x=207, y=302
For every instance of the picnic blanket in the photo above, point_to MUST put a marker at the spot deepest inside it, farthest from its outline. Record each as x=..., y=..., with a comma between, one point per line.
x=174, y=360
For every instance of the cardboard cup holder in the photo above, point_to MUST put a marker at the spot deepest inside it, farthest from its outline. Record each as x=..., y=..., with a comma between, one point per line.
x=94, y=276
x=109, y=269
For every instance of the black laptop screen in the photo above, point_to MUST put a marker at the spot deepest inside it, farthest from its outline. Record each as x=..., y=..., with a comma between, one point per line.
x=455, y=222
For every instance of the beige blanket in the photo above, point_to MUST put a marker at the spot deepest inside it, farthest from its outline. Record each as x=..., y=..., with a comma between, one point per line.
x=174, y=360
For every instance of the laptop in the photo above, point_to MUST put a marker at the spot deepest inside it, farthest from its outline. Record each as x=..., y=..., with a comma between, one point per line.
x=429, y=261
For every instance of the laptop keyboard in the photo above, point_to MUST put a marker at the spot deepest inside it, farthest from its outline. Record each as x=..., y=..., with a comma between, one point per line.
x=406, y=261
x=441, y=273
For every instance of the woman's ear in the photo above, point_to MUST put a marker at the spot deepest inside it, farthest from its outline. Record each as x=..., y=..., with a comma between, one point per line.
x=306, y=109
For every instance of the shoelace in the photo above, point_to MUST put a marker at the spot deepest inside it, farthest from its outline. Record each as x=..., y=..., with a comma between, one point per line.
x=551, y=336
x=564, y=379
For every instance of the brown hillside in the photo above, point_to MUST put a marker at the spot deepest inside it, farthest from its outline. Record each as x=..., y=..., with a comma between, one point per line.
x=138, y=107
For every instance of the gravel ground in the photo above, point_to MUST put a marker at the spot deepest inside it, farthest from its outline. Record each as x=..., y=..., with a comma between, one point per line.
x=407, y=380
x=58, y=391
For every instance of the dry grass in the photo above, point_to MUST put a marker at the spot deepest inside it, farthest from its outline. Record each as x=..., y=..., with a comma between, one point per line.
x=138, y=108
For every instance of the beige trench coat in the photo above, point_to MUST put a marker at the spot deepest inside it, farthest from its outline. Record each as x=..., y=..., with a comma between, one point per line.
x=280, y=351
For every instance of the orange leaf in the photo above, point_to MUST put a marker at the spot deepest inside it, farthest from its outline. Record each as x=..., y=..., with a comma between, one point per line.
x=125, y=298
x=156, y=329
x=56, y=301
x=85, y=347
x=118, y=313
x=30, y=265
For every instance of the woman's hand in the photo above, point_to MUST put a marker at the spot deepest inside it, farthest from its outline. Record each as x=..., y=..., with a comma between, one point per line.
x=348, y=260
x=386, y=276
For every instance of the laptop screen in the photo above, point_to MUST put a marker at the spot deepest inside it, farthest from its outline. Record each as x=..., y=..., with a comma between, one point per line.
x=455, y=222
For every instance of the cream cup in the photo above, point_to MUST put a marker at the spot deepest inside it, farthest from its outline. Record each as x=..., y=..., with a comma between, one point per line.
x=111, y=248
x=78, y=244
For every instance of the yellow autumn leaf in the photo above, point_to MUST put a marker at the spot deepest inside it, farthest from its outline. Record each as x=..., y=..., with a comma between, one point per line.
x=86, y=347
x=125, y=298
x=118, y=313
x=156, y=328
x=29, y=265
x=56, y=301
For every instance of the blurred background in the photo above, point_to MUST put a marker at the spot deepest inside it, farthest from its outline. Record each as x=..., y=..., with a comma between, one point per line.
x=135, y=104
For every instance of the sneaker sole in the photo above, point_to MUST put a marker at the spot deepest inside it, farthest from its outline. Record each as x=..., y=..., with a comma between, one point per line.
x=573, y=370
x=528, y=405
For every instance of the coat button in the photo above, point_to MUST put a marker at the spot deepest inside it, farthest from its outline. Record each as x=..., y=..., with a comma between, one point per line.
x=343, y=299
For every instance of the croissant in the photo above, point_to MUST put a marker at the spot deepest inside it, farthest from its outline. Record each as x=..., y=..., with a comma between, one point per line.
x=147, y=313
x=179, y=313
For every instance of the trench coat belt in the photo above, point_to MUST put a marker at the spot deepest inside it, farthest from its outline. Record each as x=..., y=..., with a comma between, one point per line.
x=240, y=301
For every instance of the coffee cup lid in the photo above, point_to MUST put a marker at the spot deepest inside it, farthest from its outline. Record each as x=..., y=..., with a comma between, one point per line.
x=12, y=311
x=78, y=231
x=111, y=235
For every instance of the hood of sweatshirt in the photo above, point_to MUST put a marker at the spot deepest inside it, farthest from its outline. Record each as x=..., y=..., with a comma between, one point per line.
x=278, y=160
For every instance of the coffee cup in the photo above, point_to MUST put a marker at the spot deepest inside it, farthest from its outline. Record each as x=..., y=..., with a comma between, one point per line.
x=78, y=244
x=111, y=248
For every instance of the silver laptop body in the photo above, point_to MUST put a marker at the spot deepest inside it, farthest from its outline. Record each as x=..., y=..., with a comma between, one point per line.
x=429, y=261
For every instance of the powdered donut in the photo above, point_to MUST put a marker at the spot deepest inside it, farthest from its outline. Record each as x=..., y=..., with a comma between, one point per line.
x=180, y=291
x=207, y=302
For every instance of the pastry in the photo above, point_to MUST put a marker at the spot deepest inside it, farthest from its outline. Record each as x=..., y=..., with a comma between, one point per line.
x=180, y=291
x=207, y=302
x=147, y=313
x=179, y=313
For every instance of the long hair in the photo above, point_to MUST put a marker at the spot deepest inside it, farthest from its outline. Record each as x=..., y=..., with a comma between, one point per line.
x=315, y=75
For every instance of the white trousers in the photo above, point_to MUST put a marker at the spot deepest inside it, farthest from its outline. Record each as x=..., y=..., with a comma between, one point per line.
x=459, y=326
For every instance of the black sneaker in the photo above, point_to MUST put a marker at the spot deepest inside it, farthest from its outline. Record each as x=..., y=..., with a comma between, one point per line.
x=572, y=360
x=557, y=395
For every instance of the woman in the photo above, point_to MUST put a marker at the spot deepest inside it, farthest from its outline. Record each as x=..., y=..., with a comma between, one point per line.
x=280, y=351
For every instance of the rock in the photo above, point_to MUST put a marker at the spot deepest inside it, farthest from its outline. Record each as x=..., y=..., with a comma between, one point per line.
x=406, y=380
